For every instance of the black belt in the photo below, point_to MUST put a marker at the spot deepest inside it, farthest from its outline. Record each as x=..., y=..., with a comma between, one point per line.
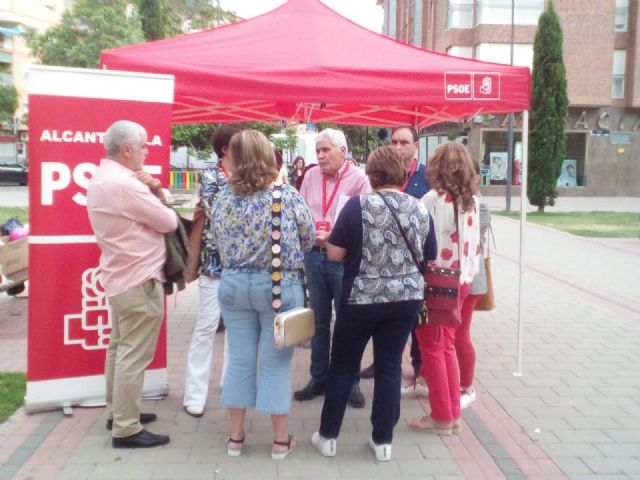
x=319, y=249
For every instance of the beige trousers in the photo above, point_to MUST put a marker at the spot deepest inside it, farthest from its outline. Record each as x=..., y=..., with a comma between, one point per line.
x=136, y=319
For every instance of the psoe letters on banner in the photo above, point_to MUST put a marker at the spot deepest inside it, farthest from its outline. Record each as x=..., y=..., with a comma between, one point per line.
x=57, y=176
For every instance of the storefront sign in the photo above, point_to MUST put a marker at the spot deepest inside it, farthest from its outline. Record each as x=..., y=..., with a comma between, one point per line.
x=69, y=314
x=604, y=120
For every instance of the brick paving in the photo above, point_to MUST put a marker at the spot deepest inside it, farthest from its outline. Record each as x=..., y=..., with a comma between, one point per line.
x=575, y=412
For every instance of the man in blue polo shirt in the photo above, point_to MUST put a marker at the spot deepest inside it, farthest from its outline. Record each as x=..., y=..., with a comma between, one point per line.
x=405, y=139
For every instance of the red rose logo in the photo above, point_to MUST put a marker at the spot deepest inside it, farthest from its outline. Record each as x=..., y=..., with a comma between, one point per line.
x=470, y=220
x=446, y=254
x=465, y=249
x=448, y=198
x=455, y=264
x=454, y=237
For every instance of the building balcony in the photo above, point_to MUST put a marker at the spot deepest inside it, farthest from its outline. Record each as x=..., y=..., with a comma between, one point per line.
x=6, y=79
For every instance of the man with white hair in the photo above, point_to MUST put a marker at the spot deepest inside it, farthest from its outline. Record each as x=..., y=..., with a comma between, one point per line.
x=129, y=217
x=324, y=189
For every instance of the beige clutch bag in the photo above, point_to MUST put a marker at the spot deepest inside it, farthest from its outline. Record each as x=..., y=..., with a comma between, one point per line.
x=293, y=327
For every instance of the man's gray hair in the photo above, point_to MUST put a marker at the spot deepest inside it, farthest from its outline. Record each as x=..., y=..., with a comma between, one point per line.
x=121, y=133
x=336, y=137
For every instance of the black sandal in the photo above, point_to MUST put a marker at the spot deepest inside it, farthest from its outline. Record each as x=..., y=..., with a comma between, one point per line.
x=283, y=455
x=234, y=452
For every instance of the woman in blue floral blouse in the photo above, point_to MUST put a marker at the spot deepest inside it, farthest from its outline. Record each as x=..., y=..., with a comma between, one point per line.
x=258, y=374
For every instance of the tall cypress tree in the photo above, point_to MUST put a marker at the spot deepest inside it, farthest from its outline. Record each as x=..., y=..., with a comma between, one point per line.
x=153, y=19
x=549, y=105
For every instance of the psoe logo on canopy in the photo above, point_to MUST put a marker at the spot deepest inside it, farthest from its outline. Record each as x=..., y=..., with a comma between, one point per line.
x=472, y=86
x=486, y=86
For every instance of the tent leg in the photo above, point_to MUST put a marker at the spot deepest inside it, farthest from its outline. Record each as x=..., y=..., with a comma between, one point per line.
x=523, y=223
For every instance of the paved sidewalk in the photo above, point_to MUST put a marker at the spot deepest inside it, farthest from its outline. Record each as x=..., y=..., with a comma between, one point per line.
x=575, y=413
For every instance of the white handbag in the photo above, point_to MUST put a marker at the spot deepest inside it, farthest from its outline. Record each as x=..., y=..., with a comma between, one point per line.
x=293, y=327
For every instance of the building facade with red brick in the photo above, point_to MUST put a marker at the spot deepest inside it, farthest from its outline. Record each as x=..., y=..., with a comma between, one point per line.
x=601, y=52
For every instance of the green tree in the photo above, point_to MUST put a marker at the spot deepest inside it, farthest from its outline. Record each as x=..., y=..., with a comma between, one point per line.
x=89, y=27
x=267, y=128
x=195, y=136
x=360, y=140
x=154, y=19
x=549, y=105
x=199, y=14
x=288, y=142
x=94, y=25
x=8, y=102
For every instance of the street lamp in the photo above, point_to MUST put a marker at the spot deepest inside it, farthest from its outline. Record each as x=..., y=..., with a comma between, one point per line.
x=510, y=131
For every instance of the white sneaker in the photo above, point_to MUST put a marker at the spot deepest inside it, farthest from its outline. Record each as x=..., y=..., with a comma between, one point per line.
x=414, y=389
x=325, y=446
x=467, y=397
x=195, y=410
x=382, y=451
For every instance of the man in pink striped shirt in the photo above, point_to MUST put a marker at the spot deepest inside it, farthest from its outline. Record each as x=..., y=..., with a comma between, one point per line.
x=129, y=218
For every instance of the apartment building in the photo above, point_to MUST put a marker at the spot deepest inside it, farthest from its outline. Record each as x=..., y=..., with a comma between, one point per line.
x=15, y=58
x=601, y=51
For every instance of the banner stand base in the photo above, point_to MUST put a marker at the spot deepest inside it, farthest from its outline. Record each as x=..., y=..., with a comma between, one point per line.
x=64, y=393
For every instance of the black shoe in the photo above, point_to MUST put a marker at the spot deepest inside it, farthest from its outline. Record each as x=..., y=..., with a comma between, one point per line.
x=142, y=439
x=356, y=398
x=311, y=390
x=144, y=419
x=368, y=372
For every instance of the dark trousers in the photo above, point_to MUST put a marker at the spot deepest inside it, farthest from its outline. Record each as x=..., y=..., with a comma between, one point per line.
x=416, y=359
x=324, y=281
x=389, y=325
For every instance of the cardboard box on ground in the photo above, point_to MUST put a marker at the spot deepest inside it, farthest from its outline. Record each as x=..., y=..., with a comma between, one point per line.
x=14, y=259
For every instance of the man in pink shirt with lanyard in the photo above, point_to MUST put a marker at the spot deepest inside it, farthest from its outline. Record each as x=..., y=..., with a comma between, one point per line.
x=324, y=189
x=129, y=217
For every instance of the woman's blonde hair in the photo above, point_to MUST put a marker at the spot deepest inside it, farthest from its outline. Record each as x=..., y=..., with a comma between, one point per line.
x=450, y=170
x=385, y=167
x=254, y=162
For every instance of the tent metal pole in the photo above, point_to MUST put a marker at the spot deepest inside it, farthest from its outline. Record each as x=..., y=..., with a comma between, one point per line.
x=523, y=224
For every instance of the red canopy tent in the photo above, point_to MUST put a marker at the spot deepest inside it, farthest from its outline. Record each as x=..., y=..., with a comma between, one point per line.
x=304, y=62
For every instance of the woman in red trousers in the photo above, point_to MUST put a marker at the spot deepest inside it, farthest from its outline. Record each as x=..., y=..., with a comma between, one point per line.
x=464, y=346
x=452, y=178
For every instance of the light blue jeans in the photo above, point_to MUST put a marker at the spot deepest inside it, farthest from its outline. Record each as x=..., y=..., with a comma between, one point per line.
x=258, y=375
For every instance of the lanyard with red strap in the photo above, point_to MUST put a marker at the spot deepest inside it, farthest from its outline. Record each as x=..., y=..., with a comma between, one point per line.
x=327, y=205
x=224, y=171
x=412, y=170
